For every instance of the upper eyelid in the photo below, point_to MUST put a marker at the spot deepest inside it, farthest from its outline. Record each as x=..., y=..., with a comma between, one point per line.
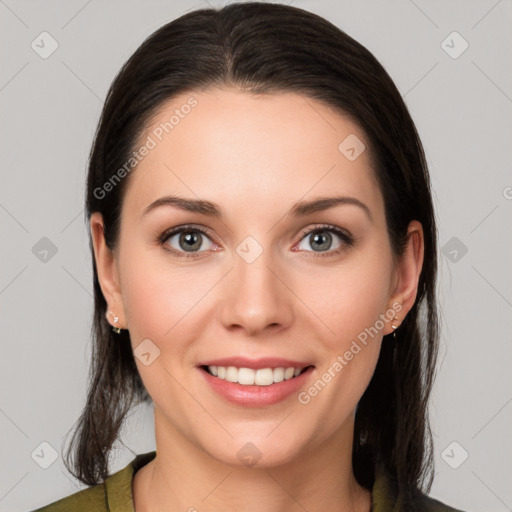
x=326, y=227
x=188, y=227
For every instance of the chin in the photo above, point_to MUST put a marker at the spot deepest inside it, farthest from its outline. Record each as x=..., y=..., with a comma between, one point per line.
x=258, y=451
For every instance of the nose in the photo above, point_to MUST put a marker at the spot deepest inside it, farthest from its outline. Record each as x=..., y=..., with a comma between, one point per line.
x=256, y=297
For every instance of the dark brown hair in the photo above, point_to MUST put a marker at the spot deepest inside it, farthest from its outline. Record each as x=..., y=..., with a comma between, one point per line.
x=264, y=48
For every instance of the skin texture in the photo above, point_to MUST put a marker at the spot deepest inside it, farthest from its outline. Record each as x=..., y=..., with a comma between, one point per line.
x=255, y=156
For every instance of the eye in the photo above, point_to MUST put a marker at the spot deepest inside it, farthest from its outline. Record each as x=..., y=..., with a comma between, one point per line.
x=189, y=241
x=320, y=240
x=186, y=239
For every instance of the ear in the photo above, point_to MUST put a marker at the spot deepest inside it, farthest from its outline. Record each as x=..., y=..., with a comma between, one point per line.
x=407, y=274
x=108, y=276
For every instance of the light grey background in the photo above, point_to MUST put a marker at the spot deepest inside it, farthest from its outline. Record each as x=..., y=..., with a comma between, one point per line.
x=49, y=110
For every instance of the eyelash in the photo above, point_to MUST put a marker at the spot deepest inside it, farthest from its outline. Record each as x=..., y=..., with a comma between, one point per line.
x=346, y=238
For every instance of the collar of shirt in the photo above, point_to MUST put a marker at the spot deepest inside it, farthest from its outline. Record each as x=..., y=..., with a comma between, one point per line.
x=120, y=496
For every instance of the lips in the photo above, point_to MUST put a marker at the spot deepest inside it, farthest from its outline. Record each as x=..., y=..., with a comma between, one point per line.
x=267, y=393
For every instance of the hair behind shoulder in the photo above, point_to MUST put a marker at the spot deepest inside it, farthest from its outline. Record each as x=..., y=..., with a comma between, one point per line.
x=265, y=48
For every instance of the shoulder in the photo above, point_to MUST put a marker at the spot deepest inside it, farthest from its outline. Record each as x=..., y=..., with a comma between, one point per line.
x=427, y=504
x=92, y=498
x=386, y=498
x=113, y=495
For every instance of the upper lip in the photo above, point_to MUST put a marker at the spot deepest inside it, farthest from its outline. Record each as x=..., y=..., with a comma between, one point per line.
x=255, y=364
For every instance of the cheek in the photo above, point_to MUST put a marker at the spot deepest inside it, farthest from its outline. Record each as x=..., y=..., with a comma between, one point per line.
x=148, y=288
x=350, y=300
x=144, y=297
x=350, y=297
x=161, y=300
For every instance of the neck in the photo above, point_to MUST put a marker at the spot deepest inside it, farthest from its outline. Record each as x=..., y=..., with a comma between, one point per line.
x=184, y=477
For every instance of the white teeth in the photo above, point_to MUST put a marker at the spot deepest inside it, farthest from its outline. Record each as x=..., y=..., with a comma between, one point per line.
x=246, y=376
x=231, y=374
x=263, y=376
x=278, y=374
x=288, y=373
x=250, y=377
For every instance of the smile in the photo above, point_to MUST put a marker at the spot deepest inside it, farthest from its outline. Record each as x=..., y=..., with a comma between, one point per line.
x=250, y=377
x=259, y=387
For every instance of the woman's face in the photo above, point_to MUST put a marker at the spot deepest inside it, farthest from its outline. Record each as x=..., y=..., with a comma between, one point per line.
x=255, y=284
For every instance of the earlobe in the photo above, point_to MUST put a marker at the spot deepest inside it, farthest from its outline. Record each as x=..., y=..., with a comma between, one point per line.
x=106, y=267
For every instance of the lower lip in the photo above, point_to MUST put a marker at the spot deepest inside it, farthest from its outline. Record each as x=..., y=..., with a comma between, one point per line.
x=256, y=396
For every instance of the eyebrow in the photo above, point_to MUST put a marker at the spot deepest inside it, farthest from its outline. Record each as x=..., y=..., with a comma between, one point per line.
x=299, y=209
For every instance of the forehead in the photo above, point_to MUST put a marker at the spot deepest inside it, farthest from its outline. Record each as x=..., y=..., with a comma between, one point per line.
x=241, y=149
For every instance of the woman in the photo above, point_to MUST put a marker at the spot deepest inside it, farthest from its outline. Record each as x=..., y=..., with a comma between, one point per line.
x=284, y=376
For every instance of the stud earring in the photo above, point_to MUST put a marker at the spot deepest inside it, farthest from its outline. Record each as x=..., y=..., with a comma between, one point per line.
x=115, y=328
x=393, y=326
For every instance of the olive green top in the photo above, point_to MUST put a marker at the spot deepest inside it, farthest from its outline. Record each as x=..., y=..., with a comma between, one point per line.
x=115, y=494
